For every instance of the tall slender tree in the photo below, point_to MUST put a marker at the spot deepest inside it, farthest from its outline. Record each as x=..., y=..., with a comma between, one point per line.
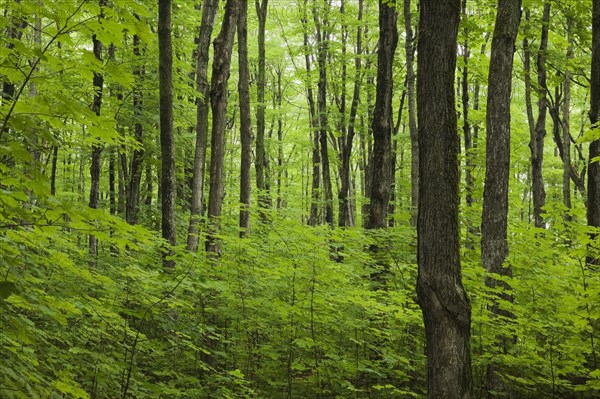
x=382, y=117
x=98, y=83
x=167, y=142
x=245, y=118
x=412, y=112
x=223, y=45
x=494, y=244
x=446, y=308
x=209, y=13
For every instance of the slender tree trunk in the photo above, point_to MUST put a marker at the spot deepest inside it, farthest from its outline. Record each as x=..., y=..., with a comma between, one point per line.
x=53, y=173
x=445, y=305
x=537, y=142
x=223, y=45
x=167, y=144
x=111, y=183
x=280, y=172
x=98, y=82
x=245, y=118
x=209, y=13
x=149, y=184
x=322, y=34
x=346, y=216
x=135, y=175
x=494, y=225
x=382, y=120
x=261, y=162
x=412, y=116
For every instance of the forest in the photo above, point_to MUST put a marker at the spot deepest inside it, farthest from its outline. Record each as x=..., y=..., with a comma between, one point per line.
x=299, y=199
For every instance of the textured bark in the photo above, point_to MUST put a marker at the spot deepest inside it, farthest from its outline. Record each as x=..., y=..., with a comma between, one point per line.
x=346, y=216
x=446, y=308
x=167, y=143
x=537, y=141
x=98, y=83
x=494, y=244
x=382, y=117
x=412, y=112
x=322, y=36
x=245, y=118
x=135, y=175
x=209, y=13
x=223, y=45
x=261, y=162
x=593, y=210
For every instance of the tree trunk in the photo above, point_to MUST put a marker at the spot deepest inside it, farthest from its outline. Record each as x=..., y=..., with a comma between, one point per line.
x=209, y=13
x=593, y=209
x=494, y=224
x=346, y=216
x=566, y=130
x=135, y=175
x=98, y=82
x=537, y=141
x=261, y=162
x=322, y=36
x=446, y=308
x=53, y=172
x=223, y=45
x=167, y=145
x=245, y=118
x=412, y=120
x=111, y=183
x=382, y=117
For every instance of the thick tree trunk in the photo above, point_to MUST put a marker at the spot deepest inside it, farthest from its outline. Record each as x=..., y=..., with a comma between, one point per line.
x=245, y=119
x=382, y=120
x=223, y=45
x=209, y=13
x=135, y=175
x=446, y=308
x=593, y=209
x=167, y=144
x=98, y=82
x=261, y=162
x=494, y=244
x=412, y=112
x=537, y=141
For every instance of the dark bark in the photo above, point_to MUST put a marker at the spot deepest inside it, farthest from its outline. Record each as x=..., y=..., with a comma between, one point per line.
x=14, y=31
x=322, y=36
x=135, y=175
x=412, y=116
x=261, y=162
x=149, y=184
x=382, y=117
x=346, y=216
x=209, y=13
x=593, y=209
x=537, y=141
x=98, y=83
x=278, y=99
x=494, y=224
x=245, y=118
x=223, y=45
x=441, y=295
x=167, y=143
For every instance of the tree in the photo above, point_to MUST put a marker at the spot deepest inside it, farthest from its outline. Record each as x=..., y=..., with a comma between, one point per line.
x=382, y=120
x=167, y=143
x=445, y=306
x=223, y=45
x=98, y=83
x=245, y=118
x=412, y=122
x=261, y=162
x=494, y=224
x=593, y=200
x=209, y=13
